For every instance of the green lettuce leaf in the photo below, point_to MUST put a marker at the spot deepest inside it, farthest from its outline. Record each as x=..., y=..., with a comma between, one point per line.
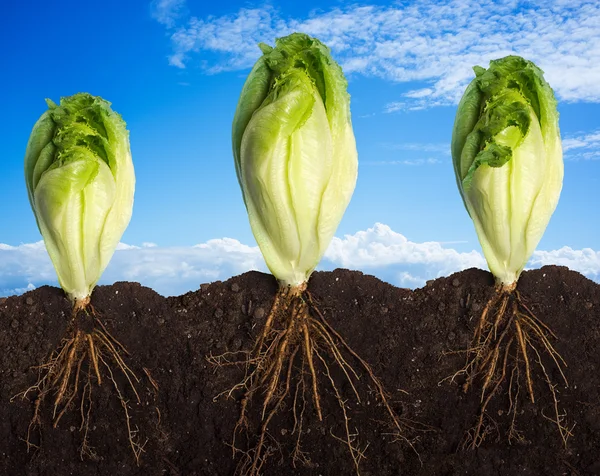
x=507, y=157
x=80, y=181
x=295, y=153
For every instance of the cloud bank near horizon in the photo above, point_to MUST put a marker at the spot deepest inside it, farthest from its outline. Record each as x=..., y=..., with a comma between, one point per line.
x=379, y=251
x=432, y=42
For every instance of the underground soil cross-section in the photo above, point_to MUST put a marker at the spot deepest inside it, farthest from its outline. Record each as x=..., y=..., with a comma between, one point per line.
x=69, y=374
x=408, y=338
x=296, y=354
x=509, y=344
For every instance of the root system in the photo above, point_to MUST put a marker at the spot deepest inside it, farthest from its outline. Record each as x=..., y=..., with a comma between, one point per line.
x=67, y=378
x=296, y=348
x=510, y=342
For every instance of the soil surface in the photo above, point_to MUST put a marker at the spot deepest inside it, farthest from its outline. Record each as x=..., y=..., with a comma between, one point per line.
x=410, y=338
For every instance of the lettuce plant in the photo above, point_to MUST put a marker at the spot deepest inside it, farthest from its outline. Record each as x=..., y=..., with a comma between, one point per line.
x=508, y=163
x=80, y=182
x=295, y=153
x=296, y=163
x=507, y=156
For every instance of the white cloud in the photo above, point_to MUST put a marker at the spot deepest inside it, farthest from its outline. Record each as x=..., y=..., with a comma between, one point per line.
x=393, y=258
x=125, y=246
x=586, y=261
x=169, y=270
x=442, y=148
x=407, y=280
x=582, y=146
x=175, y=270
x=431, y=150
x=167, y=11
x=431, y=41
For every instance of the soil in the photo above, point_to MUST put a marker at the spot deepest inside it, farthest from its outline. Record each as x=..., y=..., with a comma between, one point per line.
x=410, y=338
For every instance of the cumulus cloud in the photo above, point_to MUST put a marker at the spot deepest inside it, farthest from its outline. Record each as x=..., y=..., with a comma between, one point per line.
x=392, y=257
x=586, y=261
x=430, y=41
x=175, y=270
x=169, y=270
x=24, y=267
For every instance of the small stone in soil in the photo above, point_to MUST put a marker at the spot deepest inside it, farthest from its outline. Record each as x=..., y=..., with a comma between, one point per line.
x=219, y=313
x=589, y=305
x=235, y=287
x=259, y=313
x=14, y=324
x=476, y=306
x=29, y=301
x=455, y=282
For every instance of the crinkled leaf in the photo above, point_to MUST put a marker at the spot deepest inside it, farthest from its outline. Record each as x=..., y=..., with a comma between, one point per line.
x=507, y=160
x=80, y=180
x=296, y=159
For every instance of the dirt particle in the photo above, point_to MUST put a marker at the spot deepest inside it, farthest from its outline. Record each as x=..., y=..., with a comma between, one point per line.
x=237, y=344
x=451, y=336
x=476, y=306
x=29, y=301
x=204, y=287
x=219, y=313
x=588, y=305
x=441, y=307
x=14, y=324
x=259, y=313
x=384, y=310
x=235, y=287
x=455, y=282
x=2, y=300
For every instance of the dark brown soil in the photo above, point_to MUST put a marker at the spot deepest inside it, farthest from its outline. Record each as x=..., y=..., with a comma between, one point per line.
x=405, y=335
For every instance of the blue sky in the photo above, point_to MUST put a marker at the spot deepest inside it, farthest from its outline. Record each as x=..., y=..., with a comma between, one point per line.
x=174, y=69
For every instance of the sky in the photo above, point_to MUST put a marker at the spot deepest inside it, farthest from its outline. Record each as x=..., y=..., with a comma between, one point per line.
x=174, y=70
